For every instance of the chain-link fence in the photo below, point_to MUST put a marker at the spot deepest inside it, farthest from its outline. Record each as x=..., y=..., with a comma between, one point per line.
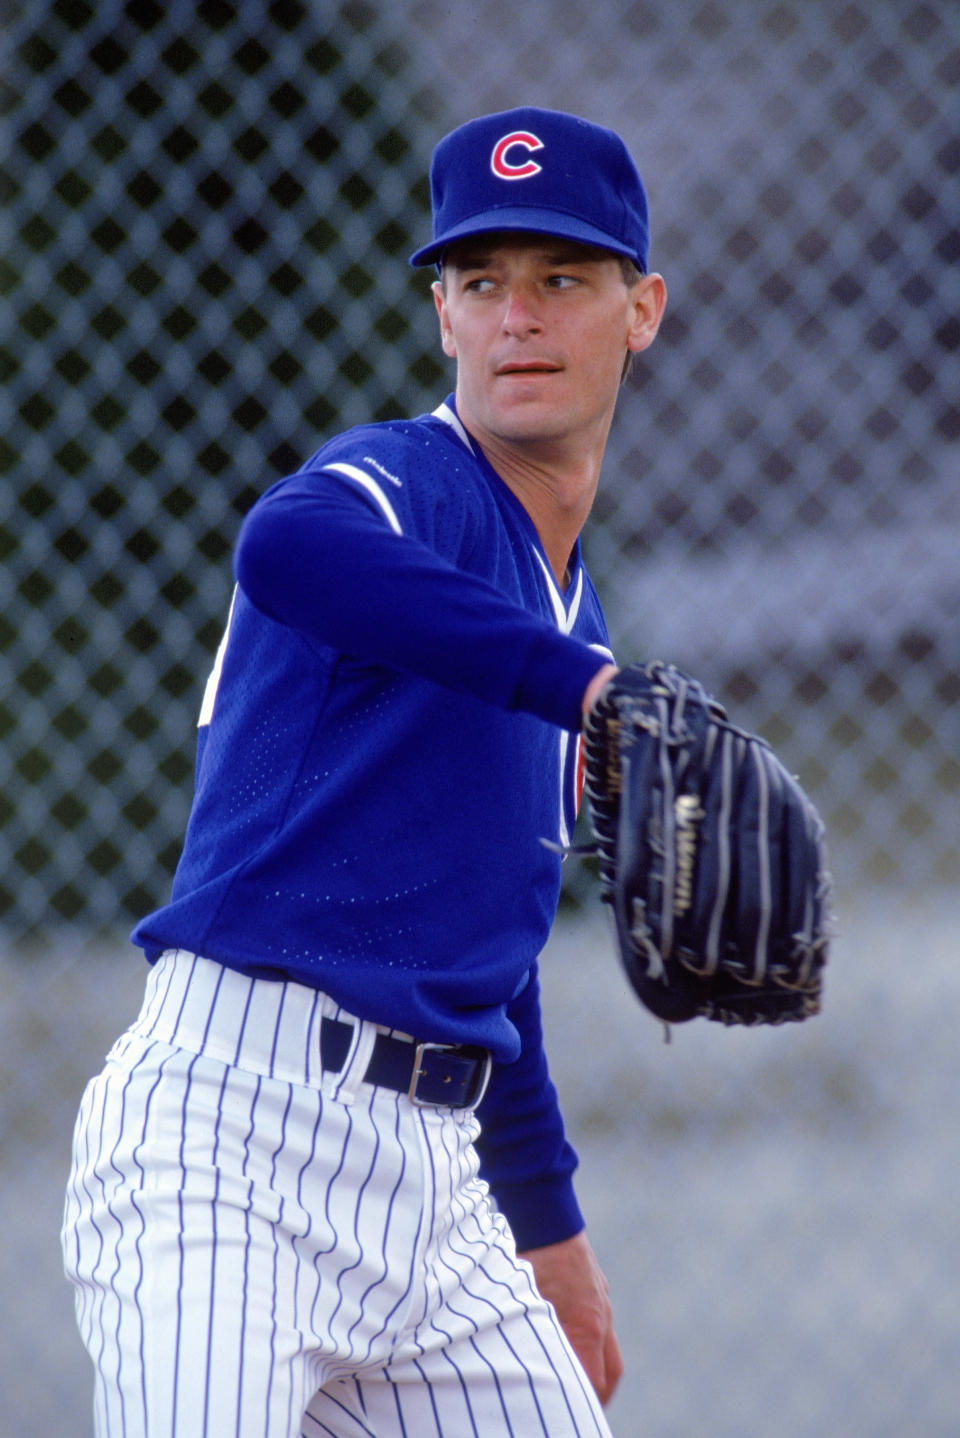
x=208, y=218
x=207, y=210
x=207, y=214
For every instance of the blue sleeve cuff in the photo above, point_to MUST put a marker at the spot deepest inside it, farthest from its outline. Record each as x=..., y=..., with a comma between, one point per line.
x=561, y=667
x=540, y=1212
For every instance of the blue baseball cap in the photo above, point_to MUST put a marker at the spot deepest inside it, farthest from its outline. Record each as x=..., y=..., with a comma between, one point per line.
x=537, y=170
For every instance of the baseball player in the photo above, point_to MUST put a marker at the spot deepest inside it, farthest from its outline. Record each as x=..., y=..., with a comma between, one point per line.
x=322, y=1184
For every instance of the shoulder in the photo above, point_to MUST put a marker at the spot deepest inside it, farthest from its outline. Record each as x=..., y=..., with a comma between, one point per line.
x=423, y=474
x=401, y=449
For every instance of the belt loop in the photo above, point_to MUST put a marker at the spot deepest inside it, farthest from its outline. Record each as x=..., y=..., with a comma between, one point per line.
x=342, y=1086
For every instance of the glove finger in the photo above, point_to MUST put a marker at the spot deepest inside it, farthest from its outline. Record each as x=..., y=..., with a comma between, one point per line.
x=760, y=879
x=643, y=901
x=682, y=757
x=705, y=926
x=806, y=886
x=781, y=924
x=638, y=897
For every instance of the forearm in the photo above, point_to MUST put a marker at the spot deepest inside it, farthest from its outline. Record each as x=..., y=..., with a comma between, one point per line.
x=526, y=1157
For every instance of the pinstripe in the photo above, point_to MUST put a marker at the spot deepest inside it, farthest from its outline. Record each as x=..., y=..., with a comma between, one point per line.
x=92, y=1175
x=431, y=1395
x=563, y=1380
x=246, y=1015
x=398, y=1408
x=367, y=1178
x=512, y=1294
x=246, y=1247
x=213, y=1267
x=138, y=1241
x=385, y=1264
x=448, y=1334
x=323, y=1253
x=297, y=1243
x=213, y=1003
x=240, y=1242
x=516, y=1290
x=357, y=1429
x=504, y=1411
x=464, y=1393
x=102, y=1174
x=275, y=1290
x=100, y=1179
x=79, y=1197
x=180, y=1250
x=468, y=1238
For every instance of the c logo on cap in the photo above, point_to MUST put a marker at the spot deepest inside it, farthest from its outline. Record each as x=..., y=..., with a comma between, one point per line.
x=502, y=167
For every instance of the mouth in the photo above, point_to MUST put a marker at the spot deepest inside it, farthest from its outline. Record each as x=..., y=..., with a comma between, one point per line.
x=528, y=367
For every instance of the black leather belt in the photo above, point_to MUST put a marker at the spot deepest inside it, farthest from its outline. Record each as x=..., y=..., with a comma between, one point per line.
x=443, y=1075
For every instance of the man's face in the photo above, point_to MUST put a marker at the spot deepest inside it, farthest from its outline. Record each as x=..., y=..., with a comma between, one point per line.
x=540, y=328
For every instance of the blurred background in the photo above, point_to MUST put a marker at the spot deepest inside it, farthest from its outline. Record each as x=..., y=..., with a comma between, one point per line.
x=206, y=215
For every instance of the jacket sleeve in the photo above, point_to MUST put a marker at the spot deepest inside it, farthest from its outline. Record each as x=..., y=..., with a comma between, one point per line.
x=317, y=557
x=525, y=1155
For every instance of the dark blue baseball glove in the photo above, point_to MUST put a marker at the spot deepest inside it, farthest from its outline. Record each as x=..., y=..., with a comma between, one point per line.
x=711, y=855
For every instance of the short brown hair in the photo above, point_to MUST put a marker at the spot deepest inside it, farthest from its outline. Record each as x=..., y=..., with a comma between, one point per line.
x=630, y=272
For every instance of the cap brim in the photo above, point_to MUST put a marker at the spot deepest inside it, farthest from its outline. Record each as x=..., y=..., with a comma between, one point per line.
x=523, y=218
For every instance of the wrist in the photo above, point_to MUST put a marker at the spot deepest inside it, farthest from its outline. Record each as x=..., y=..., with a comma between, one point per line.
x=596, y=685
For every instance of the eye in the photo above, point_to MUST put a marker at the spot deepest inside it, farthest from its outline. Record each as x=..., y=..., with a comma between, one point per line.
x=478, y=285
x=562, y=282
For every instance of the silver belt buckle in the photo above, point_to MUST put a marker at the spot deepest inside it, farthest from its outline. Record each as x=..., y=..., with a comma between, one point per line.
x=472, y=1099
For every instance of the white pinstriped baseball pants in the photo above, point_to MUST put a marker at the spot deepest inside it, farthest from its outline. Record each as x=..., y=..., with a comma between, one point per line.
x=260, y=1250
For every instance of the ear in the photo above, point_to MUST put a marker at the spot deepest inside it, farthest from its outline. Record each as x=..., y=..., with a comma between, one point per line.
x=446, y=334
x=648, y=300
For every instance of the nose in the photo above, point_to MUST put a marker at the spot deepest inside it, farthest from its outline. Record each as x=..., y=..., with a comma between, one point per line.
x=521, y=316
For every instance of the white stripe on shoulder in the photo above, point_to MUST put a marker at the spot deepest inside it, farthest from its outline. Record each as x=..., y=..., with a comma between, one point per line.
x=446, y=414
x=373, y=488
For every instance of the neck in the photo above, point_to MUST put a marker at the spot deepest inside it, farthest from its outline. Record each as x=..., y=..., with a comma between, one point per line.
x=556, y=489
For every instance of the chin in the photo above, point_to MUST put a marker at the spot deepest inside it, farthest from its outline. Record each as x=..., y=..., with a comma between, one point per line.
x=530, y=430
x=531, y=417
